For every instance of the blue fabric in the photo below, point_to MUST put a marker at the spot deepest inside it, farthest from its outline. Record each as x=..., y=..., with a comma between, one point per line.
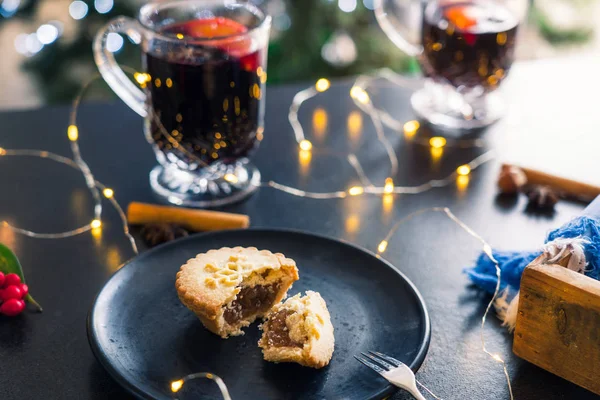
x=588, y=228
x=512, y=264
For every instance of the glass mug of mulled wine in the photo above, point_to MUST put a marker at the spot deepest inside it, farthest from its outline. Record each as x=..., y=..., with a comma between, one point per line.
x=465, y=49
x=203, y=81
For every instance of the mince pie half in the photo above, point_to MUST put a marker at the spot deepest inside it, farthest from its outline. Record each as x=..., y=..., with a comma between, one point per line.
x=229, y=288
x=300, y=331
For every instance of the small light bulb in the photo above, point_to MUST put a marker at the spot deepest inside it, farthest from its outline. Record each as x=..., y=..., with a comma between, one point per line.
x=305, y=145
x=322, y=85
x=389, y=186
x=108, y=193
x=411, y=127
x=141, y=77
x=180, y=36
x=463, y=170
x=96, y=224
x=2, y=151
x=382, y=246
x=176, y=385
x=260, y=72
x=231, y=178
x=359, y=94
x=73, y=133
x=356, y=190
x=437, y=142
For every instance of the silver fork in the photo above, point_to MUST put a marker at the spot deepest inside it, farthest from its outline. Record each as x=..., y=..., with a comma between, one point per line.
x=394, y=371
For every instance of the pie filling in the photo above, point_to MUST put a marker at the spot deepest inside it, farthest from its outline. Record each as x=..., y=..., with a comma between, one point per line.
x=277, y=333
x=251, y=300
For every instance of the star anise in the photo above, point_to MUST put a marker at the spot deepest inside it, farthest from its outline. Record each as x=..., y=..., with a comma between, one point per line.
x=542, y=197
x=155, y=234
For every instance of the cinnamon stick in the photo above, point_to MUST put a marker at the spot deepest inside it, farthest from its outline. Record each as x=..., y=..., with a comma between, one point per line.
x=189, y=218
x=571, y=188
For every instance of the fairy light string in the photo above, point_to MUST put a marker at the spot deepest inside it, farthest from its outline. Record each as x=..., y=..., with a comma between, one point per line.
x=364, y=82
x=62, y=160
x=362, y=99
x=487, y=250
x=79, y=164
x=177, y=385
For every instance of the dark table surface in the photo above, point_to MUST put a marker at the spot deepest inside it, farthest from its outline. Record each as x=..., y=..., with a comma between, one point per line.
x=47, y=355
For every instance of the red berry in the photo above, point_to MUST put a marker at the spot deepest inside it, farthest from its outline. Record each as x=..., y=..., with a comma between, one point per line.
x=11, y=279
x=12, y=307
x=24, y=289
x=11, y=292
x=2, y=278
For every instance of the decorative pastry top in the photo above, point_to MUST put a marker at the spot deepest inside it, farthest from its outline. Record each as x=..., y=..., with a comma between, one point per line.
x=212, y=278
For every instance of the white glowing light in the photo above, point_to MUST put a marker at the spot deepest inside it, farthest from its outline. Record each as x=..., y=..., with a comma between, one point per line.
x=370, y=4
x=114, y=42
x=9, y=7
x=47, y=33
x=78, y=9
x=103, y=6
x=32, y=44
x=347, y=5
x=340, y=50
x=21, y=43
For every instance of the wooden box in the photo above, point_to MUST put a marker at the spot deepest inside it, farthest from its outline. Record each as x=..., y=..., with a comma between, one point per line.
x=558, y=323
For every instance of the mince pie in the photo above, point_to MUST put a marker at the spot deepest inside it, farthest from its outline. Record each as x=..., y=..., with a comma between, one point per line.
x=229, y=288
x=299, y=330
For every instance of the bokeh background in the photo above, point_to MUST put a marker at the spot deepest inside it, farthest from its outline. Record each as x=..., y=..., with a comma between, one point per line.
x=45, y=45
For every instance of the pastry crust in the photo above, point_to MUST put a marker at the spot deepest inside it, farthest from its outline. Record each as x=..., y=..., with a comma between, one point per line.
x=310, y=331
x=210, y=282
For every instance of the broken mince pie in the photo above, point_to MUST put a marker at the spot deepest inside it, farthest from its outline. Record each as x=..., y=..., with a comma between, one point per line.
x=229, y=288
x=300, y=331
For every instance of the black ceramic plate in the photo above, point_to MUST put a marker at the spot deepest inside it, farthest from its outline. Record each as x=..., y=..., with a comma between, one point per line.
x=145, y=337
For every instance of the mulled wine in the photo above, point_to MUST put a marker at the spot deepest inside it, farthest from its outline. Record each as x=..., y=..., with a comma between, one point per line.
x=207, y=99
x=468, y=43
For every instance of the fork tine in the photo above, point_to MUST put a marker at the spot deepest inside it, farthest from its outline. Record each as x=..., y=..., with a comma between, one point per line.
x=369, y=364
x=384, y=364
x=389, y=359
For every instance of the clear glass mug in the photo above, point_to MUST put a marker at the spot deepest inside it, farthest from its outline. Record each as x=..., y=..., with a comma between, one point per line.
x=465, y=49
x=203, y=94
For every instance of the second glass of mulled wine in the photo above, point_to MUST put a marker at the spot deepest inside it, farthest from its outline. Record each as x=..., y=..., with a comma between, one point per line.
x=203, y=94
x=465, y=49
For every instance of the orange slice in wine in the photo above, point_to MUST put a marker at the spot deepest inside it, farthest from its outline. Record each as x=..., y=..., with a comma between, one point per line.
x=460, y=18
x=212, y=28
x=221, y=33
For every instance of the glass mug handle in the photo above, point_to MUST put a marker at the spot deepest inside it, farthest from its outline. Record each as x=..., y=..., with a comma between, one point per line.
x=395, y=36
x=110, y=70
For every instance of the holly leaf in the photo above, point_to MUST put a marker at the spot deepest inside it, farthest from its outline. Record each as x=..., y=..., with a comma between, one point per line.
x=9, y=263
